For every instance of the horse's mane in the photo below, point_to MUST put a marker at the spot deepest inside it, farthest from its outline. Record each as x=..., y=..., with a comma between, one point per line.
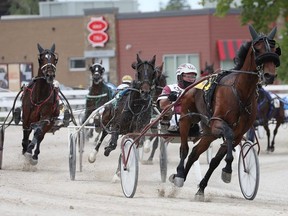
x=241, y=55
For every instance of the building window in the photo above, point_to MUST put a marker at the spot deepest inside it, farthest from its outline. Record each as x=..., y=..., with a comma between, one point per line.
x=77, y=64
x=171, y=62
x=227, y=64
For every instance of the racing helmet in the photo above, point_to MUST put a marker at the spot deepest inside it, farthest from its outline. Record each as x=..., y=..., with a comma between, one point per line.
x=186, y=68
x=127, y=79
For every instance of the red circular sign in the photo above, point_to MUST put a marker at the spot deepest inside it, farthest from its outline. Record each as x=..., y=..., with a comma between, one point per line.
x=97, y=25
x=98, y=38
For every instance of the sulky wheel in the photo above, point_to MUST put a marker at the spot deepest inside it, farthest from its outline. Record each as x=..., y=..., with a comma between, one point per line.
x=248, y=171
x=129, y=173
x=72, y=156
x=81, y=143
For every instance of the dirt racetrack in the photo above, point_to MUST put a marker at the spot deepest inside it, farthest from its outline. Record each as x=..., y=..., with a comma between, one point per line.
x=47, y=189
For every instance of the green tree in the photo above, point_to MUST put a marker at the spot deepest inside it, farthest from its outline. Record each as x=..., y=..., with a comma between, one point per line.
x=176, y=5
x=261, y=13
x=21, y=7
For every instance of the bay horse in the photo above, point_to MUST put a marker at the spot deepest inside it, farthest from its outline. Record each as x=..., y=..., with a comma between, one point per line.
x=99, y=94
x=270, y=109
x=40, y=104
x=228, y=109
x=208, y=70
x=133, y=108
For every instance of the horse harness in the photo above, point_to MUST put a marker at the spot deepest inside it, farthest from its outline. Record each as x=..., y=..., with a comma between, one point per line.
x=53, y=93
x=215, y=81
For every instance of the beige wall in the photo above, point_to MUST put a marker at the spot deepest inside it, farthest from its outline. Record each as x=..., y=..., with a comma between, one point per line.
x=19, y=38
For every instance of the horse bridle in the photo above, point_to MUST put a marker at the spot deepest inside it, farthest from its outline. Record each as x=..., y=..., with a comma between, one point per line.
x=151, y=83
x=49, y=66
x=97, y=74
x=268, y=55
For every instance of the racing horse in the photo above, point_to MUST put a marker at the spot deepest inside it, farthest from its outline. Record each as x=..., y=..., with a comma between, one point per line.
x=40, y=104
x=269, y=109
x=229, y=107
x=99, y=93
x=208, y=70
x=133, y=107
x=160, y=83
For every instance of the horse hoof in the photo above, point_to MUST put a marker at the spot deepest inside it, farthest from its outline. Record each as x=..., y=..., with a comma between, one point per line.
x=171, y=178
x=146, y=147
x=177, y=181
x=33, y=162
x=28, y=157
x=92, y=156
x=107, y=152
x=199, y=197
x=270, y=149
x=108, y=149
x=226, y=177
x=116, y=177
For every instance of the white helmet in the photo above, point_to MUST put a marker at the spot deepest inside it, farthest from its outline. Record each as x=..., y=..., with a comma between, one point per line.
x=186, y=68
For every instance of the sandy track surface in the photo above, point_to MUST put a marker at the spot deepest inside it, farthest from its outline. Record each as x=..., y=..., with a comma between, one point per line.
x=47, y=189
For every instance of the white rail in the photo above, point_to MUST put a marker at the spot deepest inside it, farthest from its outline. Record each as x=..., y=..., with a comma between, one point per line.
x=77, y=98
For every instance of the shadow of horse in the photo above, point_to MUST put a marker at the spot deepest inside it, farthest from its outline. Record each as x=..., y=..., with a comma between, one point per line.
x=40, y=104
x=228, y=109
x=269, y=110
x=133, y=108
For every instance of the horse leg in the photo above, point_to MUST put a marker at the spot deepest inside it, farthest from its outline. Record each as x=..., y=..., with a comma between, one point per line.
x=112, y=145
x=266, y=127
x=154, y=147
x=93, y=154
x=116, y=176
x=147, y=144
x=272, y=148
x=214, y=163
x=37, y=150
x=37, y=138
x=227, y=170
x=250, y=134
x=25, y=140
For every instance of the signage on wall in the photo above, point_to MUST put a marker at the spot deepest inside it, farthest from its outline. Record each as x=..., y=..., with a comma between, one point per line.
x=97, y=27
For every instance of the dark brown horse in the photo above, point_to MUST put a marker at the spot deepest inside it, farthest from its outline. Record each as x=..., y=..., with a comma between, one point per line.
x=270, y=109
x=208, y=70
x=99, y=94
x=133, y=108
x=40, y=104
x=228, y=109
x=160, y=83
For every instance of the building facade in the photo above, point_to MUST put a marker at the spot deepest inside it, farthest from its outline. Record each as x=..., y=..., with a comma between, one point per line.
x=195, y=36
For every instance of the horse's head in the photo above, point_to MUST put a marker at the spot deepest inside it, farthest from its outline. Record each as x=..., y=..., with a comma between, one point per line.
x=160, y=81
x=145, y=75
x=209, y=69
x=97, y=71
x=47, y=63
x=266, y=54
